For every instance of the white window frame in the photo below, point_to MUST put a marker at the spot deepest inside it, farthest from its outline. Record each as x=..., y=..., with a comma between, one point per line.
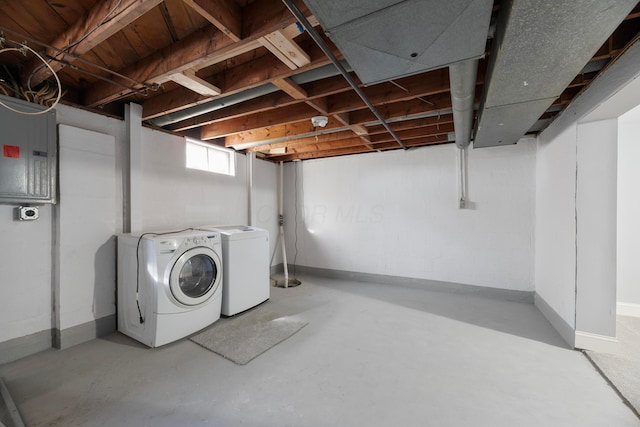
x=210, y=158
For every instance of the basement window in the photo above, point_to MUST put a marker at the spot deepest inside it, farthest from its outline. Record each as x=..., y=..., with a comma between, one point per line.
x=210, y=158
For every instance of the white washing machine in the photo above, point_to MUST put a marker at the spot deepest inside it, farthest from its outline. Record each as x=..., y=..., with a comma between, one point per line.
x=169, y=284
x=245, y=257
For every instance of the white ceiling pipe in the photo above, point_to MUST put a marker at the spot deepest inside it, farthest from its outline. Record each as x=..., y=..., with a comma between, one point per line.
x=462, y=79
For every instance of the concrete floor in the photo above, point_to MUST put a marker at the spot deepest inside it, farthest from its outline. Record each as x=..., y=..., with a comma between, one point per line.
x=623, y=368
x=373, y=355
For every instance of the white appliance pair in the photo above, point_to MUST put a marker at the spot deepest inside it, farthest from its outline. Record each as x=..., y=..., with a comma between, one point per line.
x=171, y=285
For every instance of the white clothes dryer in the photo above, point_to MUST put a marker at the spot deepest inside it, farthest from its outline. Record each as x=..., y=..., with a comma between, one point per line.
x=169, y=284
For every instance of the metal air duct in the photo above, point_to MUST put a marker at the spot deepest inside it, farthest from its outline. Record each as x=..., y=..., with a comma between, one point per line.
x=462, y=78
x=539, y=47
x=388, y=39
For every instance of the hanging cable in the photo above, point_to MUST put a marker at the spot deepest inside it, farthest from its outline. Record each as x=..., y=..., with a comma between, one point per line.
x=23, y=49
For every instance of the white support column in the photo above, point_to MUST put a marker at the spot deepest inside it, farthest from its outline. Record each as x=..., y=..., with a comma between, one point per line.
x=133, y=210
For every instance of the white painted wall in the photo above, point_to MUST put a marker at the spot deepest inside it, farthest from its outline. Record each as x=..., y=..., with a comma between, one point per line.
x=555, y=253
x=86, y=219
x=174, y=197
x=629, y=207
x=396, y=213
x=26, y=294
x=596, y=208
x=265, y=203
x=25, y=274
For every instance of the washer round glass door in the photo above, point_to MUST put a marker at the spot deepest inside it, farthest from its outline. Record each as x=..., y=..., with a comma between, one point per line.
x=195, y=276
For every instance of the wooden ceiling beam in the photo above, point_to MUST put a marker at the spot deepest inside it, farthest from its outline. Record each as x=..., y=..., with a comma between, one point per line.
x=192, y=82
x=258, y=135
x=267, y=126
x=334, y=136
x=321, y=88
x=422, y=88
x=320, y=104
x=405, y=133
x=260, y=71
x=436, y=139
x=357, y=129
x=103, y=21
x=424, y=85
x=289, y=130
x=319, y=146
x=281, y=116
x=404, y=109
x=285, y=49
x=409, y=134
x=257, y=105
x=291, y=88
x=331, y=150
x=198, y=50
x=352, y=121
x=327, y=87
x=413, y=123
x=409, y=137
x=320, y=154
x=346, y=121
x=189, y=53
x=226, y=15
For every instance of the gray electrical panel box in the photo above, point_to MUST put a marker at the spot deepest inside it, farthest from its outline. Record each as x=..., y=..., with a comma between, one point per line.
x=28, y=155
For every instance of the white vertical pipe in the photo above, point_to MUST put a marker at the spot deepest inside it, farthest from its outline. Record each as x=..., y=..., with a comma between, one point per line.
x=250, y=162
x=462, y=177
x=281, y=219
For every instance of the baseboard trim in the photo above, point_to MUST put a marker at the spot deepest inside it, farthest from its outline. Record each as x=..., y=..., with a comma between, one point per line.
x=78, y=334
x=565, y=330
x=595, y=342
x=430, y=285
x=628, y=309
x=20, y=347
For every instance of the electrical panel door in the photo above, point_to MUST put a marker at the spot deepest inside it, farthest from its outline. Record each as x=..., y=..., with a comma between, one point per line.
x=28, y=153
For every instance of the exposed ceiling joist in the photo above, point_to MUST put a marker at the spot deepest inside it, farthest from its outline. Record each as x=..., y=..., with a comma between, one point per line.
x=285, y=49
x=200, y=49
x=214, y=77
x=290, y=88
x=103, y=21
x=192, y=82
x=260, y=71
x=226, y=15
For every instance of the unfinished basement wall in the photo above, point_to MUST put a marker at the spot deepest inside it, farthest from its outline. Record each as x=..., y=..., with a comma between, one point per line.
x=628, y=295
x=264, y=209
x=555, y=254
x=27, y=265
x=576, y=209
x=174, y=197
x=396, y=214
x=596, y=207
